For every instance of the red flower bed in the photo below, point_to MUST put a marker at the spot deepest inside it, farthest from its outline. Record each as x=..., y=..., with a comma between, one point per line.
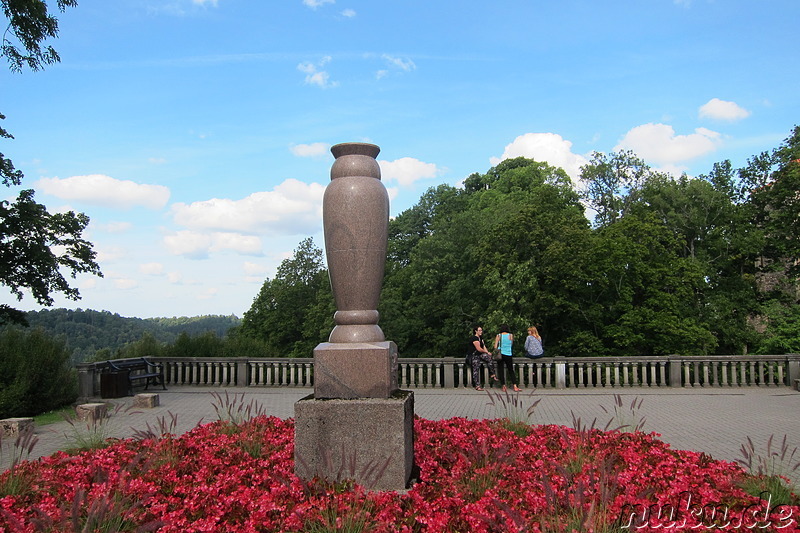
x=475, y=476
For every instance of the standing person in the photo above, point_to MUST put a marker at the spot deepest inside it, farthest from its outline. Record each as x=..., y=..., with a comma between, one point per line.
x=480, y=356
x=533, y=344
x=503, y=341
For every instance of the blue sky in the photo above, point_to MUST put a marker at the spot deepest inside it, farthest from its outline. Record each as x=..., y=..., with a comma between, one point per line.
x=196, y=133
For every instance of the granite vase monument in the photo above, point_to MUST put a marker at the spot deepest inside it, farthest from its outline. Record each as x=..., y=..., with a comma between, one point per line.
x=358, y=424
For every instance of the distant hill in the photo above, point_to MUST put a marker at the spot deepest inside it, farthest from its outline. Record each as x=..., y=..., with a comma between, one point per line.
x=86, y=331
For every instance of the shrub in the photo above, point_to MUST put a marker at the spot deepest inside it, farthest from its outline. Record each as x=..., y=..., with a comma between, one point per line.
x=35, y=373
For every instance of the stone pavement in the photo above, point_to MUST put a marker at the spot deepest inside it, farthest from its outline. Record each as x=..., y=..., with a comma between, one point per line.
x=714, y=421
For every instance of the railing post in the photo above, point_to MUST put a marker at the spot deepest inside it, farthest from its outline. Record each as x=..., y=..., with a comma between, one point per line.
x=86, y=380
x=794, y=368
x=561, y=373
x=674, y=363
x=449, y=372
x=242, y=378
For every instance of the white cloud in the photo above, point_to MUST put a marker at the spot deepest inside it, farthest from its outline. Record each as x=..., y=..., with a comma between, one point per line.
x=98, y=189
x=314, y=4
x=205, y=2
x=252, y=269
x=310, y=150
x=406, y=170
x=209, y=293
x=151, y=269
x=658, y=143
x=349, y=13
x=548, y=147
x=200, y=245
x=236, y=242
x=254, y=272
x=315, y=76
x=190, y=244
x=403, y=64
x=291, y=208
x=110, y=254
x=112, y=227
x=717, y=109
x=125, y=283
x=174, y=277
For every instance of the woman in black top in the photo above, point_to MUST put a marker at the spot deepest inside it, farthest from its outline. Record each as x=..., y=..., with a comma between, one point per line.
x=480, y=356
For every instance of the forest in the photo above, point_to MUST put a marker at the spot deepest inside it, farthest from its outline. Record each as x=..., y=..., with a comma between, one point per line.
x=100, y=335
x=628, y=261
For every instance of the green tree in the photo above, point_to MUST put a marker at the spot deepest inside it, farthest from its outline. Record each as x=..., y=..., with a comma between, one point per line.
x=35, y=373
x=294, y=311
x=34, y=244
x=612, y=183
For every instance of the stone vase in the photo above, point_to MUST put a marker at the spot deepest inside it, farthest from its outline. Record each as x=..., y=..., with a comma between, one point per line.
x=355, y=212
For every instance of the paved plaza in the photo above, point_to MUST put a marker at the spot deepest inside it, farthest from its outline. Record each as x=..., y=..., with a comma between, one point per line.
x=714, y=421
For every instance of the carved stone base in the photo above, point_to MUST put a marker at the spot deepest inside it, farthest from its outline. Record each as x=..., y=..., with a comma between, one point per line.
x=147, y=400
x=367, y=440
x=355, y=370
x=91, y=411
x=12, y=427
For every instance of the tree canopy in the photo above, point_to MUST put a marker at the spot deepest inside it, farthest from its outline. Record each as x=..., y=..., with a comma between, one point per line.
x=693, y=265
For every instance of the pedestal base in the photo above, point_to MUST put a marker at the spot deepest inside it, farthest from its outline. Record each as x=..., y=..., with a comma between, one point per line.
x=368, y=440
x=355, y=370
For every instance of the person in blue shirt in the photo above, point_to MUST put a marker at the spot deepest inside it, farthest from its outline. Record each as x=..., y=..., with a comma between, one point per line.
x=503, y=341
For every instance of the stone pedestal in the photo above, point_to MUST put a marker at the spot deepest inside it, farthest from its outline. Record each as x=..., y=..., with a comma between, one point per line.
x=91, y=411
x=368, y=440
x=355, y=370
x=148, y=400
x=13, y=427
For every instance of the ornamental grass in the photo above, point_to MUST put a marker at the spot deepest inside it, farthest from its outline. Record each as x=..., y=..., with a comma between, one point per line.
x=473, y=476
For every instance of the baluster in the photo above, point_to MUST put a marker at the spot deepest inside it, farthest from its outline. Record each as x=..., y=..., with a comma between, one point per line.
x=217, y=370
x=662, y=369
x=780, y=374
x=625, y=368
x=714, y=379
x=724, y=371
x=581, y=382
x=635, y=367
x=653, y=381
x=753, y=374
x=771, y=374
x=686, y=379
x=608, y=382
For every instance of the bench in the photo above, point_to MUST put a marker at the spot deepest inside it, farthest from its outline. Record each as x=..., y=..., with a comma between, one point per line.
x=137, y=370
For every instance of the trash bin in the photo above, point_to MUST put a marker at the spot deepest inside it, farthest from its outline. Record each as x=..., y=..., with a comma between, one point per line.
x=114, y=384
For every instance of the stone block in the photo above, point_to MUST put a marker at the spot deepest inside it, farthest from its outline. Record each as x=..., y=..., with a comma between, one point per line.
x=368, y=440
x=355, y=370
x=91, y=411
x=146, y=400
x=12, y=427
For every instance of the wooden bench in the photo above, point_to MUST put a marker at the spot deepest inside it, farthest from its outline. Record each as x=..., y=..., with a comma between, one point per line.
x=137, y=370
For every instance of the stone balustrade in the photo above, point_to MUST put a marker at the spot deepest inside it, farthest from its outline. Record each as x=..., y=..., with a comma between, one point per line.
x=449, y=372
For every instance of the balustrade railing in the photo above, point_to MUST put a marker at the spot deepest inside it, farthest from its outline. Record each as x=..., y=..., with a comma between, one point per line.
x=448, y=372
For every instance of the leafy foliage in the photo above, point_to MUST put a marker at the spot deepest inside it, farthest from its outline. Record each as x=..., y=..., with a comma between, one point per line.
x=294, y=311
x=35, y=373
x=101, y=335
x=704, y=265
